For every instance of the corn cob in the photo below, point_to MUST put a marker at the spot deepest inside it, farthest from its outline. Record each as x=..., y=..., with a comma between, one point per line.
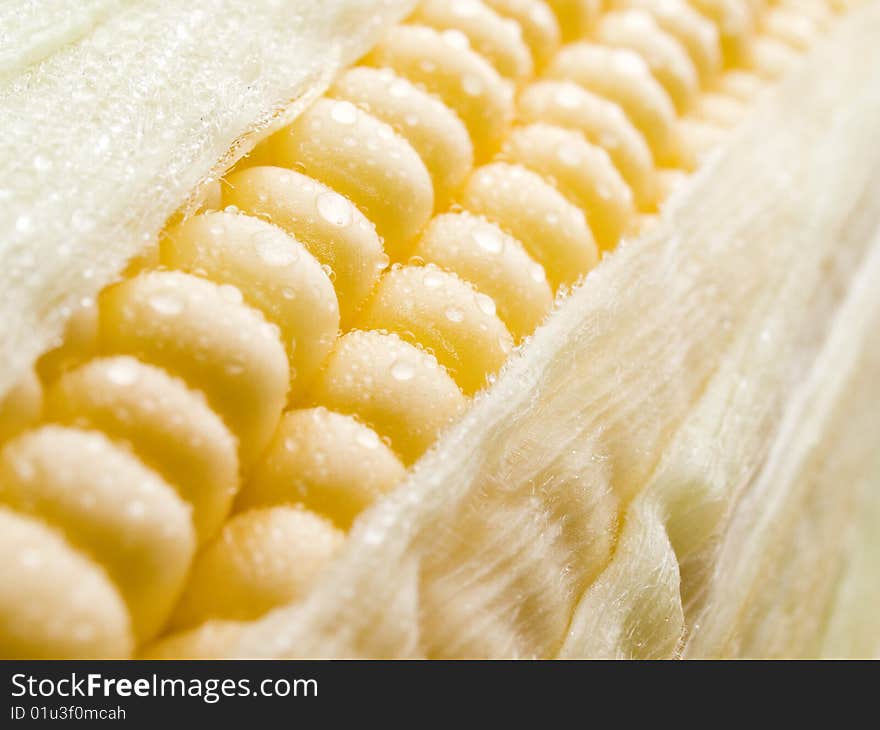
x=300, y=246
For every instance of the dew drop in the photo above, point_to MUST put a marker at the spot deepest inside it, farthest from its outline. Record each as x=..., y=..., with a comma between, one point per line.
x=486, y=304
x=368, y=438
x=24, y=224
x=24, y=469
x=334, y=208
x=433, y=280
x=398, y=89
x=568, y=154
x=231, y=293
x=456, y=39
x=343, y=112
x=402, y=370
x=471, y=85
x=122, y=372
x=568, y=97
x=275, y=251
x=488, y=238
x=454, y=314
x=166, y=304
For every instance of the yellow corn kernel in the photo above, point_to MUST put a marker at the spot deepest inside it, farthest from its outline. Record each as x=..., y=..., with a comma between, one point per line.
x=124, y=516
x=791, y=27
x=576, y=17
x=668, y=61
x=363, y=159
x=21, y=406
x=603, y=123
x=54, y=602
x=460, y=77
x=819, y=12
x=498, y=40
x=696, y=34
x=540, y=29
x=304, y=465
x=743, y=86
x=169, y=427
x=495, y=263
x=203, y=333
x=552, y=230
x=771, y=58
x=433, y=129
x=210, y=640
x=447, y=316
x=735, y=22
x=262, y=559
x=623, y=77
x=581, y=171
x=702, y=137
x=79, y=343
x=394, y=387
x=670, y=181
x=334, y=231
x=274, y=272
x=720, y=109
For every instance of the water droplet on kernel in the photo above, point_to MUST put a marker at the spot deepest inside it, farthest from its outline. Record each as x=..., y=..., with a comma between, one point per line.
x=334, y=208
x=275, y=251
x=166, y=304
x=398, y=89
x=122, y=372
x=368, y=438
x=568, y=155
x=433, y=279
x=486, y=304
x=488, y=238
x=471, y=85
x=231, y=293
x=568, y=96
x=343, y=112
x=454, y=314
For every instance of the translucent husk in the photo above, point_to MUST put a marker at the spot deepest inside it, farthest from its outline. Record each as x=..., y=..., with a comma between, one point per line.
x=685, y=460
